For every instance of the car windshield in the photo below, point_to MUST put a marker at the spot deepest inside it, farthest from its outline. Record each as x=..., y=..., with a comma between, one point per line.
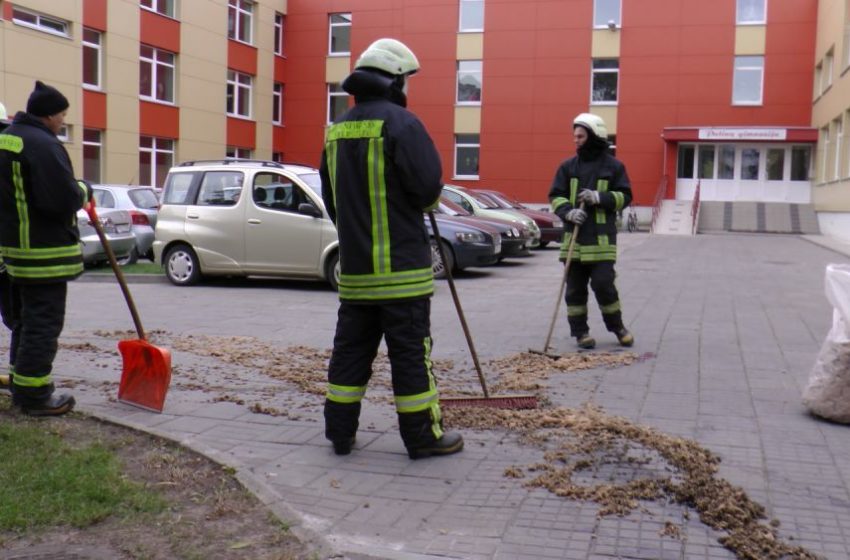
x=314, y=181
x=450, y=208
x=504, y=201
x=144, y=198
x=484, y=201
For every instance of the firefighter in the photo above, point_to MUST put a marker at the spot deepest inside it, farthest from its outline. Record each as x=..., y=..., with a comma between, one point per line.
x=40, y=243
x=6, y=288
x=380, y=170
x=599, y=180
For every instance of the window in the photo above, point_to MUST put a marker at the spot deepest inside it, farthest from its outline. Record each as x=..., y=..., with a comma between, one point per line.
x=156, y=157
x=845, y=55
x=277, y=104
x=276, y=192
x=279, y=21
x=234, y=152
x=156, y=74
x=750, y=164
x=800, y=163
x=818, y=78
x=240, y=14
x=220, y=188
x=726, y=162
x=747, y=81
x=65, y=134
x=92, y=146
x=92, y=58
x=839, y=140
x=469, y=74
x=824, y=151
x=337, y=102
x=467, y=150
x=164, y=7
x=238, y=94
x=604, y=85
x=686, y=162
x=706, y=162
x=605, y=12
x=339, y=34
x=471, y=15
x=277, y=156
x=751, y=12
x=826, y=76
x=775, y=164
x=47, y=24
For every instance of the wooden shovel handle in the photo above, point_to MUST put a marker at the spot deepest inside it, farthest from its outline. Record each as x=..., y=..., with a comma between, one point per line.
x=563, y=284
x=119, y=275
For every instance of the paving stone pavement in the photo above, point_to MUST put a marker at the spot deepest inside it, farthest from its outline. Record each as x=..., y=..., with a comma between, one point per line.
x=733, y=324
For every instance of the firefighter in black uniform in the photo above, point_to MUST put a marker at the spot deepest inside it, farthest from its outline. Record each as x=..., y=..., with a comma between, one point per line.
x=40, y=243
x=380, y=170
x=599, y=180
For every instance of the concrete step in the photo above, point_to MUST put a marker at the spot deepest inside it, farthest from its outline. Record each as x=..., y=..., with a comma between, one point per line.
x=674, y=218
x=760, y=217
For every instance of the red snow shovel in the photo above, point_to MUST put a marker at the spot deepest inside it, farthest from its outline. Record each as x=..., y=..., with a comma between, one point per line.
x=147, y=368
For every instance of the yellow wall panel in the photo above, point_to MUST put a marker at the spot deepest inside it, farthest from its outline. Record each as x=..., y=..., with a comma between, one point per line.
x=467, y=120
x=470, y=46
x=750, y=39
x=337, y=68
x=608, y=114
x=606, y=43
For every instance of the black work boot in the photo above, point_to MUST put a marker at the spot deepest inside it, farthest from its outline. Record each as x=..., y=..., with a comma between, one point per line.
x=343, y=446
x=451, y=442
x=52, y=406
x=585, y=341
x=625, y=337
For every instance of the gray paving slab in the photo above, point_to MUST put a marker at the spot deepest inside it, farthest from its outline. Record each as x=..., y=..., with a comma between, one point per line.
x=731, y=325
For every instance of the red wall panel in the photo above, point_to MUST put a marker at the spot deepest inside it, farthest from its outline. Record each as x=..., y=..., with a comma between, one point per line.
x=159, y=31
x=156, y=119
x=242, y=57
x=94, y=14
x=94, y=109
x=241, y=133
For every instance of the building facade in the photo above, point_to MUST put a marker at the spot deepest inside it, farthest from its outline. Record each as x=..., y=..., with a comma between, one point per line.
x=718, y=93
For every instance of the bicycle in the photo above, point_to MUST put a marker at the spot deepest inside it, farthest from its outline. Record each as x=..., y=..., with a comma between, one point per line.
x=632, y=221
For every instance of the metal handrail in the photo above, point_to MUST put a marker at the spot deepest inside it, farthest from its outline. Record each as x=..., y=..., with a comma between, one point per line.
x=656, y=205
x=695, y=209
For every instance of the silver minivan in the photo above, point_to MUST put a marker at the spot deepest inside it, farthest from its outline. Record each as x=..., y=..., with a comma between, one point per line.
x=244, y=218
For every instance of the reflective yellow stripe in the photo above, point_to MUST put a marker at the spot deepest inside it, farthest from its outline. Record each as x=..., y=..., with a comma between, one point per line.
x=45, y=271
x=576, y=310
x=380, y=218
x=416, y=403
x=600, y=216
x=11, y=143
x=387, y=292
x=345, y=394
x=610, y=308
x=573, y=190
x=331, y=149
x=557, y=202
x=21, y=204
x=25, y=381
x=42, y=252
x=602, y=240
x=602, y=185
x=619, y=200
x=352, y=130
x=400, y=277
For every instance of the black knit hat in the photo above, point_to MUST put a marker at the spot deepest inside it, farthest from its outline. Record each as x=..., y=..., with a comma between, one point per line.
x=45, y=101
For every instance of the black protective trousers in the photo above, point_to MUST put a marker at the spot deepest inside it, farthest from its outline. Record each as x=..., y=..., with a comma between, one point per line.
x=406, y=327
x=10, y=312
x=38, y=315
x=601, y=276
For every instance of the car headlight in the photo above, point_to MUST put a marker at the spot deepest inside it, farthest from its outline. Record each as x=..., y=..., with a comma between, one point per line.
x=470, y=236
x=514, y=232
x=557, y=224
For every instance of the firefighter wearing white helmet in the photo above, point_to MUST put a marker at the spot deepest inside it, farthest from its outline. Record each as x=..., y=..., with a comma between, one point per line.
x=380, y=171
x=587, y=193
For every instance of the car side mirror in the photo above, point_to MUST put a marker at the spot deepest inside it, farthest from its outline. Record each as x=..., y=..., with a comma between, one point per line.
x=309, y=210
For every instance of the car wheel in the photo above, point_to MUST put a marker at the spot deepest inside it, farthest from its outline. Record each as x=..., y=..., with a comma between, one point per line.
x=182, y=266
x=437, y=264
x=332, y=271
x=131, y=258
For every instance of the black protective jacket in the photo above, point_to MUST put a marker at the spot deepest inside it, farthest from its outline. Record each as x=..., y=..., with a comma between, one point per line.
x=597, y=237
x=380, y=171
x=39, y=199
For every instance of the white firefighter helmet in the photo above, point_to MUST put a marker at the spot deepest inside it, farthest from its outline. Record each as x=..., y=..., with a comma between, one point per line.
x=389, y=55
x=4, y=116
x=592, y=122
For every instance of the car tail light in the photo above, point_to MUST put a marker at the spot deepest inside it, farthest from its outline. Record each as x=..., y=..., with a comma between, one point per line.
x=139, y=219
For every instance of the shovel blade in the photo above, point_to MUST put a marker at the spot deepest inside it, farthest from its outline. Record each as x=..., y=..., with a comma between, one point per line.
x=145, y=376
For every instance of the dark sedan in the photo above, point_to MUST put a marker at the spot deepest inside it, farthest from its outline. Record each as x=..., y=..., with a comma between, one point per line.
x=464, y=244
x=515, y=238
x=551, y=226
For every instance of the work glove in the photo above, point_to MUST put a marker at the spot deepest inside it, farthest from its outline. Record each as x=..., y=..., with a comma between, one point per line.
x=576, y=216
x=89, y=200
x=589, y=197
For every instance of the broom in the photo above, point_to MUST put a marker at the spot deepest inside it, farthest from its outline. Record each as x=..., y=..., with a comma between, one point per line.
x=505, y=401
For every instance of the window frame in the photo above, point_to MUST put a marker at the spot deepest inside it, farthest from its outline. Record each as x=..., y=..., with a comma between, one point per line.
x=277, y=102
x=479, y=73
x=97, y=144
x=157, y=4
x=238, y=152
x=618, y=22
x=828, y=70
x=238, y=93
x=154, y=150
x=331, y=26
x=839, y=140
x=155, y=64
x=735, y=77
x=457, y=146
x=739, y=21
x=599, y=71
x=279, y=27
x=334, y=94
x=98, y=49
x=237, y=11
x=39, y=18
x=460, y=19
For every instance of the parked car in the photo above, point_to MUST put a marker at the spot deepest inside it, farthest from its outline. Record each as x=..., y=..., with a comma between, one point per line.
x=480, y=206
x=244, y=218
x=142, y=204
x=464, y=244
x=515, y=238
x=551, y=226
x=117, y=228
